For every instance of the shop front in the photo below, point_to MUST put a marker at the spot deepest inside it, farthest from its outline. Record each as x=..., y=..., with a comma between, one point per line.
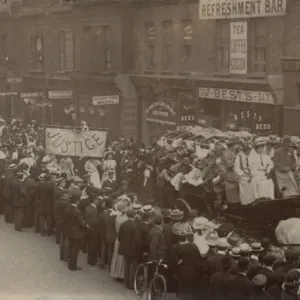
x=291, y=83
x=245, y=106
x=167, y=104
x=98, y=101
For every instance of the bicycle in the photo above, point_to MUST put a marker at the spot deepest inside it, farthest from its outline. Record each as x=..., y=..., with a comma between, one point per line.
x=157, y=287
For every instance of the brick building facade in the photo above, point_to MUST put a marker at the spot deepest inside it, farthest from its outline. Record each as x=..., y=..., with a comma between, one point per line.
x=152, y=63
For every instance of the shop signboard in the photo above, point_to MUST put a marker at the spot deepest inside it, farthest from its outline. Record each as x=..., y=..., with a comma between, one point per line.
x=106, y=100
x=236, y=95
x=7, y=94
x=238, y=48
x=235, y=9
x=32, y=95
x=70, y=142
x=60, y=95
x=161, y=112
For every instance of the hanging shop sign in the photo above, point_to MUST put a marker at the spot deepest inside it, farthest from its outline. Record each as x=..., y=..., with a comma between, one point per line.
x=233, y=9
x=253, y=118
x=4, y=94
x=238, y=48
x=105, y=100
x=70, y=142
x=162, y=113
x=32, y=95
x=60, y=94
x=129, y=118
x=236, y=95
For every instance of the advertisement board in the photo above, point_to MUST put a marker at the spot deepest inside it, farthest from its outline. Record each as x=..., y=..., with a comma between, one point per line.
x=233, y=9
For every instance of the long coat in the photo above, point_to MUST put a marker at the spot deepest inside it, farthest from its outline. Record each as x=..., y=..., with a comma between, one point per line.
x=45, y=197
x=157, y=247
x=75, y=225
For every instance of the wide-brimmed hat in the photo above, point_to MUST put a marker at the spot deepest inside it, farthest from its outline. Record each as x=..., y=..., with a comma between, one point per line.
x=47, y=159
x=223, y=243
x=256, y=247
x=182, y=229
x=176, y=215
x=260, y=141
x=200, y=223
x=235, y=252
x=12, y=166
x=245, y=248
x=122, y=206
x=137, y=207
x=212, y=238
x=147, y=209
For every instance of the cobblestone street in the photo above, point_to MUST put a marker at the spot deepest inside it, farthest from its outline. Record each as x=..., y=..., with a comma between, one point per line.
x=31, y=270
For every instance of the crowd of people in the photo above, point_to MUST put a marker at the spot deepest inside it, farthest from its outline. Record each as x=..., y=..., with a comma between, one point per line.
x=115, y=209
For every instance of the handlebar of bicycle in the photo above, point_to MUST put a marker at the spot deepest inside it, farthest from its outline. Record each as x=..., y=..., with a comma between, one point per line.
x=159, y=263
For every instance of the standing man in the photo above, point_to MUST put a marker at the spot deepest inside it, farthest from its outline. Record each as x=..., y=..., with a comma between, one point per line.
x=18, y=200
x=75, y=228
x=129, y=239
x=91, y=217
x=46, y=206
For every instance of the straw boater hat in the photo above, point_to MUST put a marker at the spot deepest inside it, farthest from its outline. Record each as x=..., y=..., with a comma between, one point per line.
x=12, y=166
x=200, y=223
x=245, y=248
x=235, y=252
x=182, y=229
x=260, y=141
x=42, y=176
x=176, y=215
x=137, y=207
x=147, y=209
x=256, y=247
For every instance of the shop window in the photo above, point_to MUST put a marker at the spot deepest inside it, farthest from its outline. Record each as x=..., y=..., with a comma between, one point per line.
x=36, y=52
x=167, y=30
x=186, y=44
x=149, y=47
x=259, y=46
x=66, y=51
x=223, y=46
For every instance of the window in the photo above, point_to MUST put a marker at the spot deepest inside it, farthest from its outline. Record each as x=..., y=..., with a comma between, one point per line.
x=149, y=49
x=259, y=49
x=106, y=35
x=4, y=47
x=66, y=51
x=36, y=52
x=167, y=44
x=223, y=44
x=186, y=44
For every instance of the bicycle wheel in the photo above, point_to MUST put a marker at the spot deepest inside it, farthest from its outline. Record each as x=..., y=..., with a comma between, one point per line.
x=157, y=288
x=140, y=279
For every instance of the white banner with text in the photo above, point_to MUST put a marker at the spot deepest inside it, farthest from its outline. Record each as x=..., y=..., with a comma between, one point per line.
x=72, y=142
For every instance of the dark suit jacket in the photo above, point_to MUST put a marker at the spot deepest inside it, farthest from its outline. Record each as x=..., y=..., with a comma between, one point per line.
x=17, y=194
x=59, y=212
x=157, y=247
x=239, y=287
x=74, y=223
x=30, y=189
x=129, y=239
x=91, y=217
x=214, y=263
x=109, y=226
x=144, y=230
x=218, y=285
x=7, y=185
x=272, y=277
x=57, y=192
x=45, y=197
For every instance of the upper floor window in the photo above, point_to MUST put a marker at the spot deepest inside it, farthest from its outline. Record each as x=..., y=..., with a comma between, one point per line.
x=223, y=46
x=149, y=46
x=106, y=36
x=259, y=46
x=4, y=47
x=66, y=51
x=36, y=52
x=167, y=36
x=186, y=44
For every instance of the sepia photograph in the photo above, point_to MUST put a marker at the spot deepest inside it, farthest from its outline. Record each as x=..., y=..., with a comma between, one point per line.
x=150, y=149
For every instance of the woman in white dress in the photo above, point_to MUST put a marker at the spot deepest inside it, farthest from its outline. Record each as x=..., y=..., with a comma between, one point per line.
x=66, y=165
x=91, y=167
x=118, y=261
x=109, y=165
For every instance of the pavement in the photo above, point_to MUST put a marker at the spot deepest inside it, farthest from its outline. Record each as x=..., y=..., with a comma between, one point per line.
x=30, y=269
